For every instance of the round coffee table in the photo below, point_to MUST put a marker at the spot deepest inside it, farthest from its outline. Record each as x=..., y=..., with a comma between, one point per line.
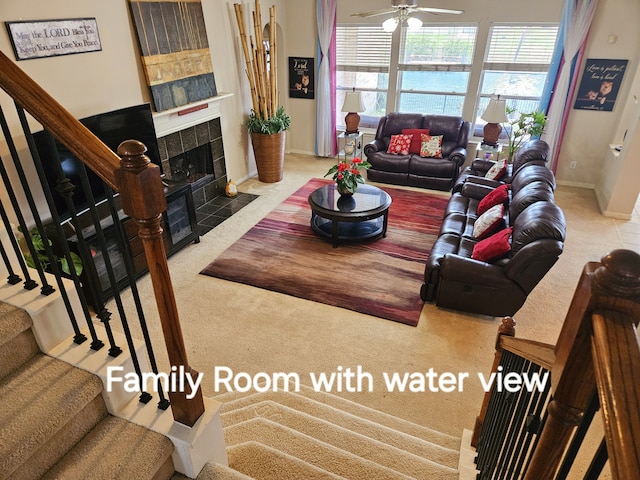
x=349, y=218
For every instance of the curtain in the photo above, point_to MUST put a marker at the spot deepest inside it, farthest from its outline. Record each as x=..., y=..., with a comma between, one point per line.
x=326, y=142
x=576, y=20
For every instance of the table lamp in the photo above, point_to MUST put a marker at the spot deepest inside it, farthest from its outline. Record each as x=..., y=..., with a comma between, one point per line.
x=353, y=105
x=494, y=115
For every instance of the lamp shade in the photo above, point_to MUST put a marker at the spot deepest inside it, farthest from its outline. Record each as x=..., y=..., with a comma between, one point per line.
x=353, y=102
x=496, y=111
x=390, y=24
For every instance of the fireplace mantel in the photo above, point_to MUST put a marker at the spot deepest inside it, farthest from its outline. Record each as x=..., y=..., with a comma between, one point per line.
x=176, y=119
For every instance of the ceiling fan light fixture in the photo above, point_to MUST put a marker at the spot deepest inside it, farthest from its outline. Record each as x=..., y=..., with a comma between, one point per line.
x=390, y=24
x=414, y=23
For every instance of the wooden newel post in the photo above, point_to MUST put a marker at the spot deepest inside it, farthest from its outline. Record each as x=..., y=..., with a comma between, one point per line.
x=506, y=328
x=142, y=197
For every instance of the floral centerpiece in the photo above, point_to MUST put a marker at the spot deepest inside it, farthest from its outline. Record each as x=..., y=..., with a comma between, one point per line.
x=347, y=174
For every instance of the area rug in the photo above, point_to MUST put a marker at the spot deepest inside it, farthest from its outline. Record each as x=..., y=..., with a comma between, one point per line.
x=380, y=278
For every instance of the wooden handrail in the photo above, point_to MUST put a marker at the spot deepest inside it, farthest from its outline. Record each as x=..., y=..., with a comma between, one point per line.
x=616, y=357
x=606, y=292
x=57, y=120
x=539, y=353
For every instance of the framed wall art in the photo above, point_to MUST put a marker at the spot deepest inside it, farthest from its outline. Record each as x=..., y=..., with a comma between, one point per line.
x=600, y=84
x=175, y=51
x=50, y=38
x=301, y=81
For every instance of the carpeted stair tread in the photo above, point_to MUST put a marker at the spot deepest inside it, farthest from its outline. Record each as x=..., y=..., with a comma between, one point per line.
x=56, y=392
x=396, y=458
x=265, y=463
x=115, y=449
x=422, y=448
x=307, y=449
x=215, y=471
x=17, y=343
x=344, y=407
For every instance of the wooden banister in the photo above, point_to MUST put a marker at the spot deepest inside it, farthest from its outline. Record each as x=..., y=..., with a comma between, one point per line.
x=142, y=197
x=57, y=120
x=539, y=353
x=607, y=289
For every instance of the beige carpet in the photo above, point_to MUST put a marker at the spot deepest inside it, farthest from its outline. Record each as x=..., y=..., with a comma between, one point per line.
x=253, y=330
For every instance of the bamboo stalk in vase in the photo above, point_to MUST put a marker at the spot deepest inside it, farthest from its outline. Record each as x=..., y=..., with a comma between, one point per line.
x=245, y=48
x=273, y=60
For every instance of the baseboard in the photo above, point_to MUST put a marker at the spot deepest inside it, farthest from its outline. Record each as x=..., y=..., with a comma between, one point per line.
x=566, y=183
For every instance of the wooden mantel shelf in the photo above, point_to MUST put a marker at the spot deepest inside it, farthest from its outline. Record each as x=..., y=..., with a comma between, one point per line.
x=176, y=119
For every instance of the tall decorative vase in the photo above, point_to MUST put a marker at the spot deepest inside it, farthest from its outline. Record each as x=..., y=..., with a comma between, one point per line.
x=268, y=150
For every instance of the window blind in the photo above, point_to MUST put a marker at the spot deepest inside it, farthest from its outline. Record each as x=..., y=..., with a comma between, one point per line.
x=438, y=48
x=521, y=47
x=362, y=48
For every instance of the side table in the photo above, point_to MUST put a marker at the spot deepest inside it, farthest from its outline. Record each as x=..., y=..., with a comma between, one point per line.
x=488, y=152
x=345, y=141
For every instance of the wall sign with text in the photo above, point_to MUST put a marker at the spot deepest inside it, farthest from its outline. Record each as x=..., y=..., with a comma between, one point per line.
x=600, y=83
x=301, y=81
x=49, y=38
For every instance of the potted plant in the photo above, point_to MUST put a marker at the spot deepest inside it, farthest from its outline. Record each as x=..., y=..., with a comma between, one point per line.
x=347, y=175
x=267, y=122
x=523, y=127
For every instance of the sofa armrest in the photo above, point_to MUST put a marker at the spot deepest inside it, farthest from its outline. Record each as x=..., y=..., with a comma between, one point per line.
x=456, y=268
x=481, y=165
x=487, y=182
x=478, y=191
x=458, y=155
x=374, y=146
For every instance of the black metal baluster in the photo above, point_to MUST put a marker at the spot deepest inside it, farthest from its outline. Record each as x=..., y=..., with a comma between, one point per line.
x=12, y=278
x=598, y=462
x=578, y=437
x=123, y=245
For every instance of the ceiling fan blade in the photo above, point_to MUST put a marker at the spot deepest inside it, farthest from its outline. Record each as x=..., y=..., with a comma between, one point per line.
x=373, y=13
x=436, y=10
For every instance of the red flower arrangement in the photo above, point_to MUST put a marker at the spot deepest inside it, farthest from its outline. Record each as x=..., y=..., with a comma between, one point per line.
x=347, y=174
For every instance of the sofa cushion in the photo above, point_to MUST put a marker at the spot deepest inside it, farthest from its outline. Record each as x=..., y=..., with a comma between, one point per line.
x=431, y=146
x=387, y=162
x=399, y=144
x=540, y=220
x=433, y=167
x=416, y=141
x=493, y=248
x=495, y=197
x=489, y=222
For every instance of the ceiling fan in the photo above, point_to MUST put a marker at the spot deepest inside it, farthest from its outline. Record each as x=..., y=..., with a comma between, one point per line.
x=403, y=9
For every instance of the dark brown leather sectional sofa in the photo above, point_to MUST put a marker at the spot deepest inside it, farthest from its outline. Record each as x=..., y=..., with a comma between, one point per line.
x=452, y=279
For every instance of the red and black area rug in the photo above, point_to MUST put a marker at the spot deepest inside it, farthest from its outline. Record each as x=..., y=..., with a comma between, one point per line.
x=380, y=278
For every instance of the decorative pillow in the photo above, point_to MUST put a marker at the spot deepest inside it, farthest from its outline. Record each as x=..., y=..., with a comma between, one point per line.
x=497, y=196
x=400, y=144
x=416, y=142
x=489, y=222
x=431, y=146
x=493, y=248
x=497, y=171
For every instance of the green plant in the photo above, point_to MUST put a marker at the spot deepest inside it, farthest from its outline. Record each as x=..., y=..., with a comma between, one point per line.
x=347, y=174
x=523, y=127
x=277, y=123
x=43, y=258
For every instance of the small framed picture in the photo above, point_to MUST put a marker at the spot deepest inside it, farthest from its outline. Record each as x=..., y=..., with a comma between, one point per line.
x=301, y=81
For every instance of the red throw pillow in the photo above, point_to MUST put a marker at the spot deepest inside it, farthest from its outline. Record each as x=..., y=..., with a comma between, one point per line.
x=493, y=248
x=489, y=222
x=399, y=144
x=497, y=196
x=416, y=142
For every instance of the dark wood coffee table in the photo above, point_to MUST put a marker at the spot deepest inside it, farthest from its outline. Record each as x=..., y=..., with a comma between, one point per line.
x=349, y=218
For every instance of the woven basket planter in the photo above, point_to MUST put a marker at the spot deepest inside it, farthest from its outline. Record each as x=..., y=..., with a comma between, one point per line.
x=268, y=150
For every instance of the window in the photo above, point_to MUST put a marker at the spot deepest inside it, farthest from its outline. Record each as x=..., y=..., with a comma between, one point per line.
x=434, y=67
x=515, y=67
x=363, y=55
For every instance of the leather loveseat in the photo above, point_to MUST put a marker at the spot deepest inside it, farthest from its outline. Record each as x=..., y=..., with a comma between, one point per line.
x=536, y=229
x=413, y=169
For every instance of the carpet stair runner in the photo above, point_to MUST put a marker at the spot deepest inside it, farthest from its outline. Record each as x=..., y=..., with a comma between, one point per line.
x=309, y=435
x=54, y=420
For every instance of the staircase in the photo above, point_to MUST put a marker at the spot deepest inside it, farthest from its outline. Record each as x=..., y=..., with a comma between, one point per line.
x=315, y=435
x=54, y=422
